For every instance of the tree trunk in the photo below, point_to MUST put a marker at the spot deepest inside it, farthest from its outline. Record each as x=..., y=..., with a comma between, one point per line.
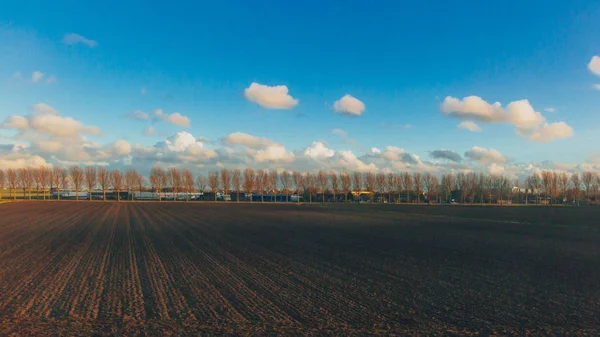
x=58, y=193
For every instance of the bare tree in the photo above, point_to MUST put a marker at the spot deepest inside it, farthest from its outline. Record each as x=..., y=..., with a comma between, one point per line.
x=13, y=180
x=547, y=181
x=59, y=176
x=77, y=179
x=201, y=184
x=380, y=184
x=26, y=179
x=103, y=180
x=116, y=181
x=213, y=183
x=286, y=182
x=130, y=179
x=322, y=182
x=236, y=180
x=2, y=181
x=357, y=182
x=346, y=184
x=139, y=182
x=188, y=182
x=335, y=184
x=563, y=185
x=272, y=181
x=263, y=183
x=174, y=179
x=91, y=179
x=158, y=180
x=428, y=182
x=460, y=184
x=472, y=185
x=418, y=183
x=370, y=182
x=447, y=184
x=392, y=185
x=587, y=179
x=595, y=186
x=309, y=184
x=249, y=180
x=576, y=182
x=34, y=171
x=226, y=182
x=43, y=178
x=298, y=180
x=407, y=185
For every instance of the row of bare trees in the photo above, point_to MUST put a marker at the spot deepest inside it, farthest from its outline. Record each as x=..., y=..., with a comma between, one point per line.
x=462, y=187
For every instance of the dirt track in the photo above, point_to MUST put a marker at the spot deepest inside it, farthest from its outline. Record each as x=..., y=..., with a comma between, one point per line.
x=173, y=268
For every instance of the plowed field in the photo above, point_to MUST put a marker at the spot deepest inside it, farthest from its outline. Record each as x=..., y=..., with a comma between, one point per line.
x=187, y=268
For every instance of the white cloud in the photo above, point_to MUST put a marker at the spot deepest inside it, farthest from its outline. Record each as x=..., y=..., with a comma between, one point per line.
x=43, y=108
x=46, y=120
x=392, y=153
x=375, y=150
x=73, y=38
x=594, y=65
x=36, y=76
x=468, y=125
x=548, y=132
x=17, y=160
x=272, y=153
x=244, y=139
x=16, y=122
x=121, y=148
x=270, y=97
x=339, y=132
x=318, y=151
x=521, y=114
x=485, y=156
x=550, y=110
x=473, y=107
x=175, y=118
x=149, y=131
x=495, y=169
x=347, y=161
x=139, y=115
x=349, y=106
x=51, y=79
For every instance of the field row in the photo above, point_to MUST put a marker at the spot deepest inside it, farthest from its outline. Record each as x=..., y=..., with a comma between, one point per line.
x=151, y=266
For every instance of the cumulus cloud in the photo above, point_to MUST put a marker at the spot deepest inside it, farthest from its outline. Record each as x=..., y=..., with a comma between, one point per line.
x=485, y=156
x=244, y=139
x=468, y=125
x=550, y=110
x=446, y=154
x=318, y=150
x=495, y=169
x=349, y=106
x=594, y=65
x=270, y=97
x=175, y=118
x=348, y=161
x=46, y=120
x=474, y=108
x=139, y=115
x=36, y=76
x=159, y=115
x=519, y=113
x=18, y=160
x=149, y=131
x=339, y=132
x=16, y=122
x=73, y=38
x=43, y=108
x=271, y=153
x=548, y=132
x=121, y=148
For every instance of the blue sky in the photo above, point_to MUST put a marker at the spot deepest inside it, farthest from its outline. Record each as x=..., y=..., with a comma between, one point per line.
x=400, y=60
